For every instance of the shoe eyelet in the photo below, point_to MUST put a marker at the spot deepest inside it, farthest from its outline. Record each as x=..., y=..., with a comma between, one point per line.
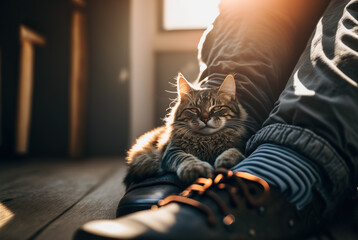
x=229, y=219
x=154, y=207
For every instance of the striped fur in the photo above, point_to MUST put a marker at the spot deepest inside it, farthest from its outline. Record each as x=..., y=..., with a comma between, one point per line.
x=205, y=130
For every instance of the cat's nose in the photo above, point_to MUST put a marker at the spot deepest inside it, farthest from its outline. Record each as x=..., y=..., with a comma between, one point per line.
x=205, y=120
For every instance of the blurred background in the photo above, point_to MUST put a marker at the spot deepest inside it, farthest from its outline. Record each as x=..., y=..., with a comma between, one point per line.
x=85, y=78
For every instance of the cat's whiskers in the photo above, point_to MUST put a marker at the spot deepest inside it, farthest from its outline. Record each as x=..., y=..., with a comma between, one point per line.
x=188, y=139
x=251, y=125
x=236, y=124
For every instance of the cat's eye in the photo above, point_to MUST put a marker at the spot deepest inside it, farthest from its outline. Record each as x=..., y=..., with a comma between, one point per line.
x=217, y=109
x=192, y=110
x=189, y=113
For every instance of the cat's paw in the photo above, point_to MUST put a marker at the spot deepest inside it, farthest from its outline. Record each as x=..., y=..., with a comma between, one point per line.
x=229, y=158
x=191, y=169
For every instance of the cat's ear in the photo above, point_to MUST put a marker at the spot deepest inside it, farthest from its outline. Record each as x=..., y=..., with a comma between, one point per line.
x=183, y=87
x=228, y=87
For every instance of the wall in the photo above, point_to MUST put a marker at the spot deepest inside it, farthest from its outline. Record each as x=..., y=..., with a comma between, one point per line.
x=147, y=40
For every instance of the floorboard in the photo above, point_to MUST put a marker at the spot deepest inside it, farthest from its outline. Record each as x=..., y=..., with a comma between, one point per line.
x=101, y=203
x=50, y=200
x=37, y=194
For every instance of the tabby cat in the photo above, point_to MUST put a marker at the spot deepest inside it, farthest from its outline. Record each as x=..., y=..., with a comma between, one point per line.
x=203, y=131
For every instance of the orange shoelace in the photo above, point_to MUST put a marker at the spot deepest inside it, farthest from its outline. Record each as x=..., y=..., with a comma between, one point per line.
x=222, y=179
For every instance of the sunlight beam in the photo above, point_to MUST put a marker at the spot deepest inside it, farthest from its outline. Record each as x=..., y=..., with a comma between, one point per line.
x=189, y=14
x=5, y=215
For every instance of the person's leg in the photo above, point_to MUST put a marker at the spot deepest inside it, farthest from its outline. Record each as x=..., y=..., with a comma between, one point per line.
x=313, y=124
x=260, y=43
x=315, y=118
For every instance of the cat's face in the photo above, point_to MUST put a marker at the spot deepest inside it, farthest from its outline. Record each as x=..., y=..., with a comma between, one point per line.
x=207, y=111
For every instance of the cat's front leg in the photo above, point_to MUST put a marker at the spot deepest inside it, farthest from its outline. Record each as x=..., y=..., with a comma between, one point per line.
x=185, y=165
x=228, y=158
x=192, y=168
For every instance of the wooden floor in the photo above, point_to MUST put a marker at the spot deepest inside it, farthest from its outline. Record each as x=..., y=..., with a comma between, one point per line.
x=50, y=199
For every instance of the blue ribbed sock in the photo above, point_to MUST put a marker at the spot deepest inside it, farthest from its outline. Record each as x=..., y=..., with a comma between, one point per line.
x=293, y=174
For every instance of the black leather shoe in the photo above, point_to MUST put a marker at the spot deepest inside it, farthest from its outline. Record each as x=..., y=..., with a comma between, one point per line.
x=143, y=195
x=226, y=206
